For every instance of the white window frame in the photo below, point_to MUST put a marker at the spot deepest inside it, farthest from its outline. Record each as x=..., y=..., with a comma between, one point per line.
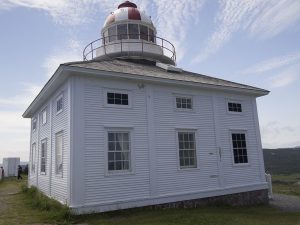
x=119, y=91
x=241, y=131
x=43, y=142
x=131, y=146
x=44, y=116
x=175, y=96
x=33, y=158
x=34, y=121
x=61, y=96
x=58, y=135
x=193, y=130
x=237, y=101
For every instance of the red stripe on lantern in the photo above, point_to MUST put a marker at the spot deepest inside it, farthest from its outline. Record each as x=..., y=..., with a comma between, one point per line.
x=134, y=14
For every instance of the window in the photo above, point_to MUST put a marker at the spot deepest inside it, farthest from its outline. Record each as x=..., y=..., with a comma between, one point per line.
x=59, y=104
x=34, y=123
x=234, y=107
x=43, y=156
x=119, y=151
x=239, y=148
x=112, y=33
x=122, y=31
x=33, y=153
x=117, y=98
x=133, y=30
x=44, y=116
x=143, y=32
x=183, y=102
x=151, y=35
x=187, y=149
x=59, y=153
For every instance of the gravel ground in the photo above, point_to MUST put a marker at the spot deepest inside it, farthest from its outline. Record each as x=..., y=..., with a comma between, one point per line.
x=286, y=202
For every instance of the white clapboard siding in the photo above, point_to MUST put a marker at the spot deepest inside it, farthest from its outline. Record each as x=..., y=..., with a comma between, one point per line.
x=50, y=183
x=235, y=175
x=60, y=123
x=98, y=187
x=171, y=179
x=44, y=134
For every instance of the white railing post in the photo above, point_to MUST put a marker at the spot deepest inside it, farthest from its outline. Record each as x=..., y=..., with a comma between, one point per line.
x=269, y=181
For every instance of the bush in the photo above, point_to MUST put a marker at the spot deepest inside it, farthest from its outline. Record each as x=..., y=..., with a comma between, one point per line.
x=38, y=200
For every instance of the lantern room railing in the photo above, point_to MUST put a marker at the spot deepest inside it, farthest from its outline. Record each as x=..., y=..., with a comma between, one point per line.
x=122, y=41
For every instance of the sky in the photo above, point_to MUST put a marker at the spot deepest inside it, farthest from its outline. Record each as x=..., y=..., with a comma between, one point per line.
x=255, y=42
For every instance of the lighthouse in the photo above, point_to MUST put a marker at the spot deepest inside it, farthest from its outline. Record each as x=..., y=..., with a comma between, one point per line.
x=129, y=33
x=125, y=128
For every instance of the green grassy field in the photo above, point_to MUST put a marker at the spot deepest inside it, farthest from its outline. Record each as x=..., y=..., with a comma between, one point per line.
x=288, y=184
x=28, y=207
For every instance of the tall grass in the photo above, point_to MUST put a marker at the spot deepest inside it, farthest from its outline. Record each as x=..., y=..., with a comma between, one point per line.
x=40, y=201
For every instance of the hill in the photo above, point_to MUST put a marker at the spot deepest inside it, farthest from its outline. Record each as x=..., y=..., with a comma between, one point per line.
x=282, y=160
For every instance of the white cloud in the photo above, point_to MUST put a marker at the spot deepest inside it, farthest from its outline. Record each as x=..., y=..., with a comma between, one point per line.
x=66, y=12
x=277, y=135
x=274, y=63
x=72, y=52
x=286, y=77
x=14, y=135
x=173, y=19
x=22, y=99
x=275, y=18
x=260, y=18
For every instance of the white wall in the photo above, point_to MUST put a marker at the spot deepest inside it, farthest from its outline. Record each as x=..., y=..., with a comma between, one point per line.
x=154, y=120
x=50, y=183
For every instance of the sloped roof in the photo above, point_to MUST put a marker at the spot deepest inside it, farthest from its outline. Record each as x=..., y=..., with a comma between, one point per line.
x=151, y=70
x=134, y=69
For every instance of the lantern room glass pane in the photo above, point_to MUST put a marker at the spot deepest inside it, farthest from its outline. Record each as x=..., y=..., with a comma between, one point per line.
x=143, y=32
x=112, y=32
x=133, y=31
x=122, y=31
x=151, y=35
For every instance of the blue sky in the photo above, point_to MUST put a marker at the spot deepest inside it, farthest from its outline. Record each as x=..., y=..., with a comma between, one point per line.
x=250, y=41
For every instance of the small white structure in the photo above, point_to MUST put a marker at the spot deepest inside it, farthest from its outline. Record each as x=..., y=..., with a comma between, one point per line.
x=128, y=128
x=10, y=166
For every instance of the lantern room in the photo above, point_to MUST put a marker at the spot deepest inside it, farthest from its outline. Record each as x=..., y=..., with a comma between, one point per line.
x=129, y=33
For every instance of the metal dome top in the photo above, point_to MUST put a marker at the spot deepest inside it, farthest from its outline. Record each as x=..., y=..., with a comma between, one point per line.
x=127, y=11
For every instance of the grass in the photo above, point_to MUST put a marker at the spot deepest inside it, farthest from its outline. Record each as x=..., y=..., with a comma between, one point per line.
x=288, y=184
x=31, y=207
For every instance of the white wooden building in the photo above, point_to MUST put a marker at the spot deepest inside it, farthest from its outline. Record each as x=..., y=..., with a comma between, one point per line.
x=127, y=128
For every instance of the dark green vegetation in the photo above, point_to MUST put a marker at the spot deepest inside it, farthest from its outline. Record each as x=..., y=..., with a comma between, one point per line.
x=286, y=184
x=28, y=206
x=282, y=161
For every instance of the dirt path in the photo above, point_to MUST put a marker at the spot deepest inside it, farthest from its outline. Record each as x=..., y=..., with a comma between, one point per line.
x=286, y=202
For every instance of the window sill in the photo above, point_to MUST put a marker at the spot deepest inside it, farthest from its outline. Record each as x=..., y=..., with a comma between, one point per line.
x=241, y=164
x=58, y=112
x=119, y=173
x=188, y=169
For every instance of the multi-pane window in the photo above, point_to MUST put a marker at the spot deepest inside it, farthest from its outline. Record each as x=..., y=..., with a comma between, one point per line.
x=234, y=107
x=118, y=151
x=59, y=153
x=33, y=154
x=112, y=33
x=34, y=123
x=43, y=156
x=133, y=31
x=239, y=147
x=184, y=103
x=187, y=149
x=151, y=35
x=59, y=104
x=122, y=31
x=44, y=116
x=143, y=32
x=117, y=98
